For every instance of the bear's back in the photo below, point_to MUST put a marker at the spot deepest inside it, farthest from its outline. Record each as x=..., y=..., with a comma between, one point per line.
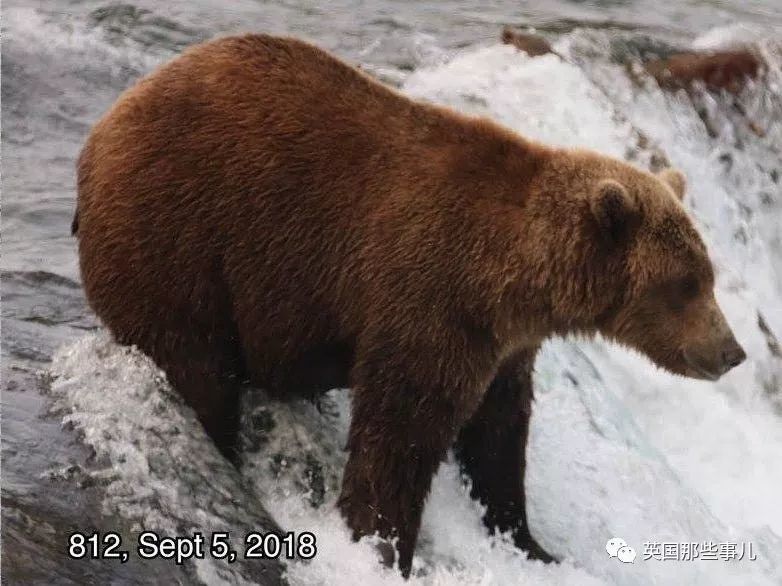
x=247, y=164
x=262, y=181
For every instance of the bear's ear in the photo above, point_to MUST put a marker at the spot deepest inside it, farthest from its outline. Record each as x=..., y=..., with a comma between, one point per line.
x=615, y=210
x=675, y=180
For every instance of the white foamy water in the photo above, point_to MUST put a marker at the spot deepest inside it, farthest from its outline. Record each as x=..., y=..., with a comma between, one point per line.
x=617, y=448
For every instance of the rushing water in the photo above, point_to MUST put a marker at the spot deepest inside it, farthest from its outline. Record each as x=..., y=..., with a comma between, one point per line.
x=93, y=438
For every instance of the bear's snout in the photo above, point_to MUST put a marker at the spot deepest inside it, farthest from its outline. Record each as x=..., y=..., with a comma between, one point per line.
x=711, y=349
x=711, y=363
x=732, y=355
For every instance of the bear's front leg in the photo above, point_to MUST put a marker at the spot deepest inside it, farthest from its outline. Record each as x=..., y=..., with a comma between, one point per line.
x=402, y=426
x=491, y=449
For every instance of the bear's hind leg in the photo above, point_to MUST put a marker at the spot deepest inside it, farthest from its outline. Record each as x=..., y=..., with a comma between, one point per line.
x=491, y=451
x=205, y=369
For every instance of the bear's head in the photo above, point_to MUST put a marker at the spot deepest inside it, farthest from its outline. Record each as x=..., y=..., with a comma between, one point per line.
x=633, y=264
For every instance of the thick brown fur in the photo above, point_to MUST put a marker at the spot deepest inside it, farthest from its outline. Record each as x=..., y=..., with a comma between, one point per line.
x=258, y=209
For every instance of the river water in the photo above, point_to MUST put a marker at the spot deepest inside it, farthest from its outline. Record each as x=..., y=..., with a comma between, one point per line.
x=94, y=440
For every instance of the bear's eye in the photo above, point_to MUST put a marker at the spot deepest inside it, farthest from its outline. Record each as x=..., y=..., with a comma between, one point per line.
x=677, y=293
x=688, y=287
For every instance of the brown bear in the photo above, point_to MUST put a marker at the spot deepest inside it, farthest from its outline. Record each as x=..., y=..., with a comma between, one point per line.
x=257, y=209
x=726, y=69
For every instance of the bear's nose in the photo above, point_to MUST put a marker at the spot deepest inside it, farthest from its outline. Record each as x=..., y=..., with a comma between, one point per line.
x=732, y=356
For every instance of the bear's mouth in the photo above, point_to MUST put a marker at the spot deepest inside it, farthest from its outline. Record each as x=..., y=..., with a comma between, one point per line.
x=696, y=370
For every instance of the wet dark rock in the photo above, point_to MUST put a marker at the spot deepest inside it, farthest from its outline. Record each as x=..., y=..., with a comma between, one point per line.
x=262, y=424
x=659, y=160
x=125, y=21
x=315, y=481
x=771, y=340
x=703, y=114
